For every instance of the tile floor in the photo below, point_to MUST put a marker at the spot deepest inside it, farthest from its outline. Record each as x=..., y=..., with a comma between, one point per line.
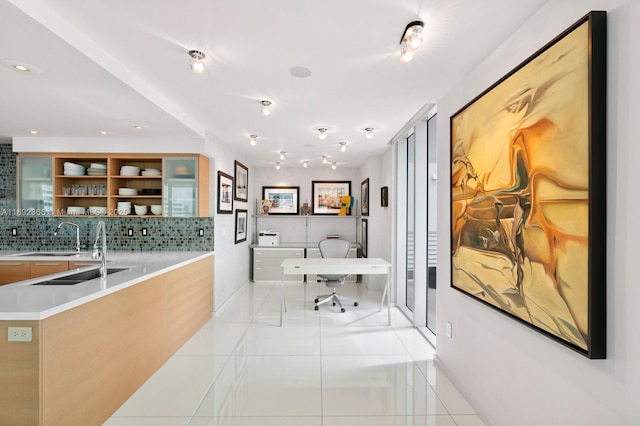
x=322, y=368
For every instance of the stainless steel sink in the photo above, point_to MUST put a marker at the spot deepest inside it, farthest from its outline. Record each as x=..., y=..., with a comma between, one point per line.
x=79, y=277
x=46, y=254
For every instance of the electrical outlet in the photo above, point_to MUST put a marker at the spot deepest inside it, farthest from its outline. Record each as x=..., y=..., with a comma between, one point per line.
x=144, y=232
x=449, y=329
x=14, y=232
x=130, y=232
x=201, y=232
x=19, y=334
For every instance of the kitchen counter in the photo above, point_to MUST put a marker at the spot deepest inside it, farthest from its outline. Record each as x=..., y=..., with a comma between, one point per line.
x=24, y=301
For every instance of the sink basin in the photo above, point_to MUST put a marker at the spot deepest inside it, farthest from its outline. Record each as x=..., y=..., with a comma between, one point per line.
x=79, y=277
x=46, y=253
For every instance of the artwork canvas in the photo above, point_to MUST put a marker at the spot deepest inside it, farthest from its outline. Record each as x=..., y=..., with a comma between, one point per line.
x=326, y=196
x=241, y=188
x=528, y=201
x=365, y=237
x=241, y=225
x=364, y=197
x=225, y=193
x=283, y=199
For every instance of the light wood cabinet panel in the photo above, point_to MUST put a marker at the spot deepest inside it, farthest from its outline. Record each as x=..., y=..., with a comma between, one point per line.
x=13, y=271
x=41, y=268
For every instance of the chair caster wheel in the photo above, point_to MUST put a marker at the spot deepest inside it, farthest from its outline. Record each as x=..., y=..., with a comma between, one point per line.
x=317, y=300
x=355, y=303
x=342, y=310
x=334, y=303
x=316, y=308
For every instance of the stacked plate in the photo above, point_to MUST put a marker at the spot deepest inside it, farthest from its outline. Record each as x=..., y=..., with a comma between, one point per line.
x=97, y=169
x=127, y=191
x=74, y=210
x=151, y=172
x=97, y=210
x=124, y=208
x=129, y=171
x=73, y=169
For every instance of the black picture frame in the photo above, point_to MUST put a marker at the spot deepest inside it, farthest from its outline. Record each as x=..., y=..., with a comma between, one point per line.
x=241, y=186
x=326, y=195
x=533, y=203
x=241, y=225
x=284, y=199
x=364, y=197
x=225, y=193
x=384, y=196
x=365, y=237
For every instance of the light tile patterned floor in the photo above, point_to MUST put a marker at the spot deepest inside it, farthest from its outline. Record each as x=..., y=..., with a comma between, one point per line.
x=322, y=368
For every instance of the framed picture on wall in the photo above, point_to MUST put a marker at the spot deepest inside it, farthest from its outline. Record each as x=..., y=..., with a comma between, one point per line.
x=283, y=199
x=241, y=188
x=326, y=196
x=225, y=190
x=384, y=196
x=365, y=237
x=241, y=225
x=364, y=200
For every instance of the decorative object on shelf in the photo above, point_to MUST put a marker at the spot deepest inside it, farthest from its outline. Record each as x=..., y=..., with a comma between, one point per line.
x=225, y=188
x=327, y=196
x=384, y=196
x=364, y=197
x=283, y=199
x=241, y=225
x=305, y=210
x=265, y=205
x=346, y=202
x=241, y=188
x=528, y=191
x=365, y=237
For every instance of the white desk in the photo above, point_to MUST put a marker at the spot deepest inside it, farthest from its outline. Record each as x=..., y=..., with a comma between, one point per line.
x=360, y=266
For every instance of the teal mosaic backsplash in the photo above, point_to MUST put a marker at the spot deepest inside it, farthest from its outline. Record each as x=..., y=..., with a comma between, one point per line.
x=36, y=233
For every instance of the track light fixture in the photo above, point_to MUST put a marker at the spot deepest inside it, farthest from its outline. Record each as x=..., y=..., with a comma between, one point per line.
x=266, y=107
x=325, y=159
x=343, y=146
x=253, y=140
x=369, y=132
x=282, y=154
x=322, y=133
x=196, y=61
x=277, y=165
x=334, y=165
x=305, y=164
x=411, y=40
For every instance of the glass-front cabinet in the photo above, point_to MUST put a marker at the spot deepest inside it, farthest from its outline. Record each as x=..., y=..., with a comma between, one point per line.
x=35, y=186
x=180, y=192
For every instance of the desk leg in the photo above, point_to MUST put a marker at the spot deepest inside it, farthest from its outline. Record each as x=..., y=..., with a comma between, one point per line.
x=386, y=294
x=283, y=302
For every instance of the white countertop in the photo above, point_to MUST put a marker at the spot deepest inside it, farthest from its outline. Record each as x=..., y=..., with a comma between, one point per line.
x=24, y=301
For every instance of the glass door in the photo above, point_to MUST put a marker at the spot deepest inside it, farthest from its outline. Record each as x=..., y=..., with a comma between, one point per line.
x=35, y=186
x=180, y=189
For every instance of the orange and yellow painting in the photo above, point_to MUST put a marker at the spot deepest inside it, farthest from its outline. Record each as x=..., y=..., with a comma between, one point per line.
x=520, y=169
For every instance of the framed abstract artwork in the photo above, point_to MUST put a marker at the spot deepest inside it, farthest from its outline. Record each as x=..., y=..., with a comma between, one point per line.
x=364, y=197
x=241, y=177
x=283, y=199
x=225, y=193
x=326, y=196
x=528, y=191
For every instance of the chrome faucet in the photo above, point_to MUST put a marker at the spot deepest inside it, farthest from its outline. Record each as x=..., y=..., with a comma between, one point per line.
x=77, y=232
x=101, y=254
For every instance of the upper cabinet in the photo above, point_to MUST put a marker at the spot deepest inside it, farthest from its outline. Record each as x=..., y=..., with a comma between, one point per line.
x=114, y=185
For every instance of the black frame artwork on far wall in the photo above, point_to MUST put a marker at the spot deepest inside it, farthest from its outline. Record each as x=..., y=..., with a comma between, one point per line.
x=364, y=200
x=284, y=199
x=241, y=187
x=241, y=225
x=528, y=191
x=384, y=196
x=225, y=190
x=326, y=194
x=365, y=237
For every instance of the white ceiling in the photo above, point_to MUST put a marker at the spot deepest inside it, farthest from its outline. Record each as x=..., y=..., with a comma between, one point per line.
x=109, y=64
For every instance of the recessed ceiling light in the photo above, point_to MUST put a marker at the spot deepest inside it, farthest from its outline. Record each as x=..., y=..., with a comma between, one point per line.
x=369, y=132
x=104, y=132
x=137, y=126
x=334, y=165
x=253, y=140
x=20, y=67
x=266, y=107
x=33, y=132
x=322, y=133
x=343, y=146
x=282, y=155
x=300, y=72
x=196, y=61
x=325, y=159
x=305, y=164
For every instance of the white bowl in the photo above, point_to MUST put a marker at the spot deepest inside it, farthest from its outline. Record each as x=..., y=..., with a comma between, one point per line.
x=73, y=166
x=127, y=191
x=124, y=211
x=156, y=209
x=129, y=171
x=98, y=166
x=73, y=172
x=124, y=204
x=140, y=210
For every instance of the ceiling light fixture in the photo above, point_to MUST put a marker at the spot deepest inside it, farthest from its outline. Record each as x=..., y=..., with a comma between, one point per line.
x=324, y=159
x=322, y=133
x=334, y=165
x=305, y=164
x=253, y=140
x=277, y=165
x=282, y=154
x=196, y=61
x=411, y=40
x=104, y=132
x=266, y=107
x=369, y=132
x=343, y=146
x=21, y=68
x=33, y=132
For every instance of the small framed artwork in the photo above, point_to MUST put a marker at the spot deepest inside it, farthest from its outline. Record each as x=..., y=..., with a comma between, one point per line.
x=384, y=196
x=326, y=196
x=364, y=194
x=365, y=237
x=283, y=199
x=225, y=188
x=241, y=188
x=241, y=225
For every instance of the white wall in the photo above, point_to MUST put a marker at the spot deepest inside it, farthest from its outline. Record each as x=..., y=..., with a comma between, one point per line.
x=511, y=374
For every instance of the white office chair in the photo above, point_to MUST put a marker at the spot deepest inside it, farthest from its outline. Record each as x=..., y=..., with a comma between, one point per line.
x=333, y=248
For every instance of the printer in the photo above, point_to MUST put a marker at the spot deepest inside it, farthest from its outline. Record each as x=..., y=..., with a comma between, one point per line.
x=268, y=238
